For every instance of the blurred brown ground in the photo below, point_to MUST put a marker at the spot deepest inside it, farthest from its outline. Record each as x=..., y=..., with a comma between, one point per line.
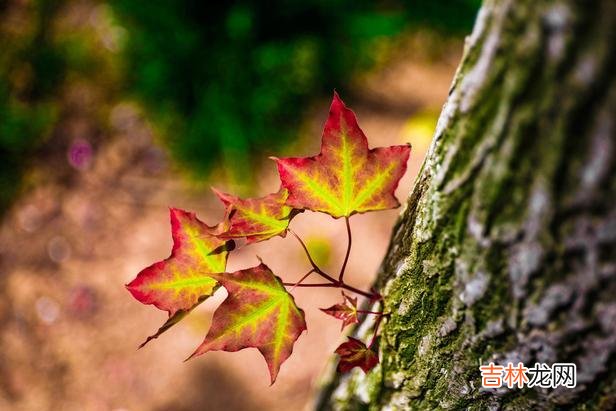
x=68, y=328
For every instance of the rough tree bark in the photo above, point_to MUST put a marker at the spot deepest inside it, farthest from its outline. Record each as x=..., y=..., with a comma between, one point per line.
x=506, y=250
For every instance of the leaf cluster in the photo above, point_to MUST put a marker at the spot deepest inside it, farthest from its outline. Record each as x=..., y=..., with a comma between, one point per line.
x=345, y=178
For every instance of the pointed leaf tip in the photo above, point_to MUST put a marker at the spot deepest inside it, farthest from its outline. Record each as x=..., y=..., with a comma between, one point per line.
x=171, y=321
x=338, y=107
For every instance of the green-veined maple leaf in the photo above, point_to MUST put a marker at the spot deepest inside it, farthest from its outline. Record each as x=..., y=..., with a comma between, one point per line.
x=345, y=311
x=354, y=353
x=182, y=281
x=346, y=177
x=258, y=312
x=256, y=219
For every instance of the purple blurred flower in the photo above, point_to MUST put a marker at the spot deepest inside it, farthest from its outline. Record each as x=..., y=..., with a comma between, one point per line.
x=80, y=154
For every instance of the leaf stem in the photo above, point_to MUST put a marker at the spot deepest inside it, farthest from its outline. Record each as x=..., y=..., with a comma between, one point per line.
x=348, y=251
x=366, y=294
x=316, y=268
x=376, y=330
x=312, y=285
x=332, y=281
x=370, y=312
x=301, y=279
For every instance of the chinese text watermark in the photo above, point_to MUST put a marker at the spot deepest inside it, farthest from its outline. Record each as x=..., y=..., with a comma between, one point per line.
x=541, y=375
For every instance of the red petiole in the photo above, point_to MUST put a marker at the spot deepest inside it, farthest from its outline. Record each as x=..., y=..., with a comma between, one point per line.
x=332, y=282
x=348, y=251
x=376, y=329
x=297, y=284
x=370, y=312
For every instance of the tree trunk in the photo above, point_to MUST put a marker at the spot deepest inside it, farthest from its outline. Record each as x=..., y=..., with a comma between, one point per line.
x=506, y=250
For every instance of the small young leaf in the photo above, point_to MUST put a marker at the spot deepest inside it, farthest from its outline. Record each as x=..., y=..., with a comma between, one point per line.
x=346, y=177
x=182, y=281
x=256, y=219
x=258, y=312
x=345, y=311
x=354, y=353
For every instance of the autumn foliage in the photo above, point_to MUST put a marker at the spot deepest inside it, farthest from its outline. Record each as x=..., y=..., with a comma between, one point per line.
x=345, y=178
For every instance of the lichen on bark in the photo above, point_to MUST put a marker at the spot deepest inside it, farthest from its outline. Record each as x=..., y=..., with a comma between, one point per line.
x=506, y=249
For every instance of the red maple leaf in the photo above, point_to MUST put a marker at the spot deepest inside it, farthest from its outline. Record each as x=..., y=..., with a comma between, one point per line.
x=354, y=353
x=345, y=311
x=346, y=177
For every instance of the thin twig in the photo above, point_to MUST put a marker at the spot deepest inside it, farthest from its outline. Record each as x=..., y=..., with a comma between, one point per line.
x=312, y=285
x=301, y=279
x=317, y=269
x=366, y=294
x=332, y=281
x=348, y=251
x=376, y=330
x=370, y=312
x=336, y=284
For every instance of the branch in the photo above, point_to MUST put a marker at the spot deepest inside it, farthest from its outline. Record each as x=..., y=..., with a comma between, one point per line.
x=300, y=280
x=332, y=281
x=316, y=268
x=376, y=330
x=348, y=251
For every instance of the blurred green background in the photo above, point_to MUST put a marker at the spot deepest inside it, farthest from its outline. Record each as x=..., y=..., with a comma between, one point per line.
x=222, y=82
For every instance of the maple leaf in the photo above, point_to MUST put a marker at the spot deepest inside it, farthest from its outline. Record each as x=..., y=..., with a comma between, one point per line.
x=182, y=281
x=256, y=219
x=354, y=353
x=346, y=311
x=346, y=177
x=258, y=312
